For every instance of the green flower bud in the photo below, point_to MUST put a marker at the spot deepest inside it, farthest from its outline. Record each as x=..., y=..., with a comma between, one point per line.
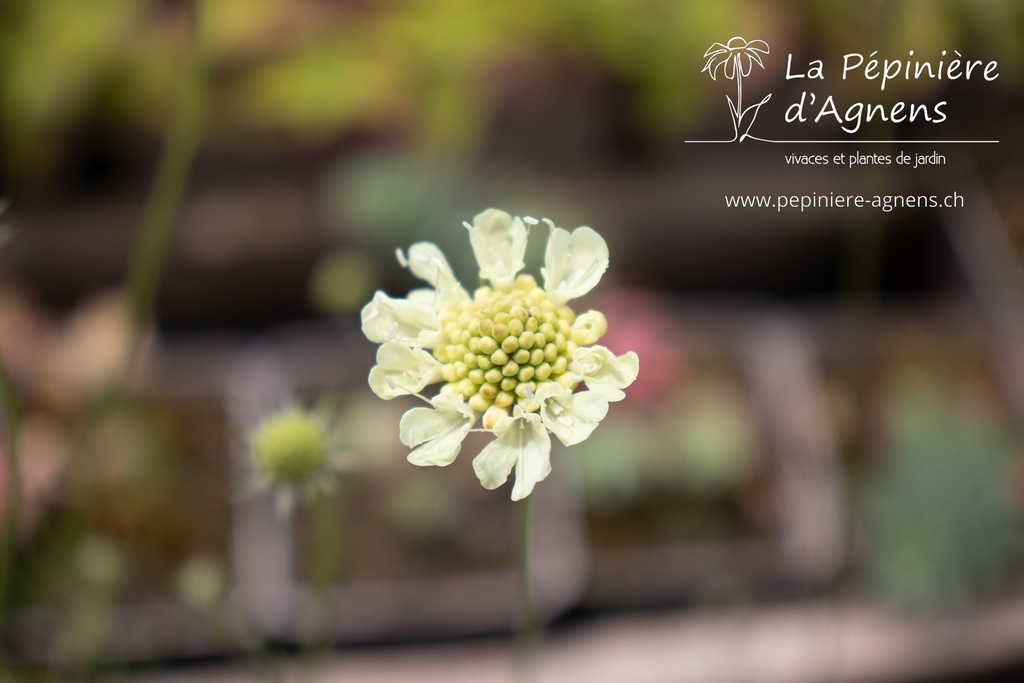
x=487, y=345
x=289, y=447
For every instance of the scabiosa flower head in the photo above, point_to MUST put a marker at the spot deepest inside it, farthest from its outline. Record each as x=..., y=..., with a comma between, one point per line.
x=512, y=357
x=294, y=455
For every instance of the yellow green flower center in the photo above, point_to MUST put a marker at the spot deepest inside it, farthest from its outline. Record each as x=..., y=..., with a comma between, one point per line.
x=289, y=447
x=498, y=346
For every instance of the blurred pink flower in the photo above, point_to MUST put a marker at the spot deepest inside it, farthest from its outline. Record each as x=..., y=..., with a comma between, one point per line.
x=637, y=320
x=43, y=448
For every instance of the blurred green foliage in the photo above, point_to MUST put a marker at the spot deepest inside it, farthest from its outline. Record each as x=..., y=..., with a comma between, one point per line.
x=98, y=573
x=940, y=518
x=77, y=579
x=391, y=198
x=343, y=281
x=201, y=583
x=55, y=61
x=430, y=67
x=978, y=30
x=382, y=199
x=704, y=447
x=717, y=443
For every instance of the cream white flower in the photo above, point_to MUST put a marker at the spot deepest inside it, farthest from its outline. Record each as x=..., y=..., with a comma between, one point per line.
x=499, y=244
x=511, y=356
x=402, y=370
x=605, y=374
x=570, y=416
x=386, y=319
x=436, y=433
x=573, y=263
x=522, y=443
x=427, y=263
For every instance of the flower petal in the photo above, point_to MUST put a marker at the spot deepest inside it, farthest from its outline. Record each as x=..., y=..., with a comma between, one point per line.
x=719, y=66
x=589, y=327
x=715, y=49
x=406, y=320
x=605, y=374
x=499, y=243
x=534, y=463
x=425, y=296
x=743, y=64
x=428, y=263
x=758, y=46
x=572, y=417
x=729, y=69
x=436, y=433
x=494, y=463
x=401, y=370
x=715, y=61
x=573, y=263
x=523, y=443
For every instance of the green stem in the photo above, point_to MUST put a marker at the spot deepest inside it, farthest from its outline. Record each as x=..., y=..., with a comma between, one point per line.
x=12, y=423
x=531, y=625
x=326, y=565
x=164, y=200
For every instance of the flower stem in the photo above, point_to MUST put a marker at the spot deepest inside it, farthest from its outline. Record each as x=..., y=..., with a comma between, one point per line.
x=739, y=91
x=739, y=99
x=531, y=625
x=325, y=568
x=169, y=183
x=12, y=423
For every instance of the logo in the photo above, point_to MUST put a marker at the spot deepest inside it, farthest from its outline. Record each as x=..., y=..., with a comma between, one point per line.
x=735, y=59
x=821, y=102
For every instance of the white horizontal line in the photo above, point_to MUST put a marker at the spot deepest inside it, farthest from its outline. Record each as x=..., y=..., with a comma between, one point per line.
x=856, y=142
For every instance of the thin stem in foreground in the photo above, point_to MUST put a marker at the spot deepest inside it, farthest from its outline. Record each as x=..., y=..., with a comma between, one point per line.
x=531, y=624
x=164, y=200
x=12, y=424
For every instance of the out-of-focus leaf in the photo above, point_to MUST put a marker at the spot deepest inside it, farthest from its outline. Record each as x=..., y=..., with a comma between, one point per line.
x=323, y=87
x=716, y=443
x=939, y=518
x=52, y=68
x=342, y=281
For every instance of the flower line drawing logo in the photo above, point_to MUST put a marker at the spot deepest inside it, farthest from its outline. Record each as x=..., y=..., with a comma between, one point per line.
x=735, y=59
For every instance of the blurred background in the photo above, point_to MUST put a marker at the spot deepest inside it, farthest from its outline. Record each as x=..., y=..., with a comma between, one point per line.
x=818, y=476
